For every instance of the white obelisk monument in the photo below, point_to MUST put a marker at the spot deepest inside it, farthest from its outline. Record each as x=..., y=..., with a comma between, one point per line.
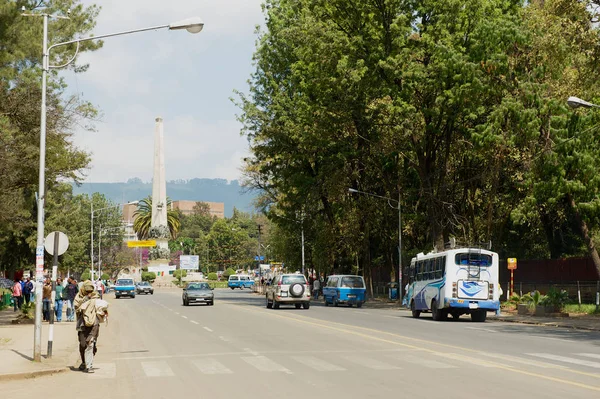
x=159, y=184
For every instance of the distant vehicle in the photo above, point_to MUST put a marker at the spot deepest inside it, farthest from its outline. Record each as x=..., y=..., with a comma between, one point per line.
x=144, y=287
x=124, y=287
x=240, y=281
x=292, y=289
x=456, y=281
x=198, y=293
x=347, y=289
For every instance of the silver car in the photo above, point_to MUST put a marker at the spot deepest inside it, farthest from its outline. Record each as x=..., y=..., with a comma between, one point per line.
x=198, y=293
x=292, y=289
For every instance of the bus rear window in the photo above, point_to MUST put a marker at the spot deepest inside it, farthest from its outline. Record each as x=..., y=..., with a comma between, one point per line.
x=472, y=259
x=353, y=282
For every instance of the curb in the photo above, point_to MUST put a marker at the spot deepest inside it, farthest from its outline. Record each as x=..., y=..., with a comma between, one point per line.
x=547, y=324
x=32, y=374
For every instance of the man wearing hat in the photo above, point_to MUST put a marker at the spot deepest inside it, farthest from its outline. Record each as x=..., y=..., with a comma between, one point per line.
x=87, y=334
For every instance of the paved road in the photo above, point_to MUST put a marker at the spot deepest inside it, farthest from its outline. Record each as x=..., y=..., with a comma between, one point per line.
x=156, y=348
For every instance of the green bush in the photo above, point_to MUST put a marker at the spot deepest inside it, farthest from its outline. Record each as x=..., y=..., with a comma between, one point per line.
x=148, y=276
x=228, y=273
x=557, y=299
x=212, y=276
x=105, y=276
x=86, y=276
x=178, y=273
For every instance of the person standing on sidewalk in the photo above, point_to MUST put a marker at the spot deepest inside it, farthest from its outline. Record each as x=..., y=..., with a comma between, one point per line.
x=316, y=288
x=58, y=304
x=17, y=293
x=46, y=299
x=27, y=291
x=71, y=292
x=88, y=325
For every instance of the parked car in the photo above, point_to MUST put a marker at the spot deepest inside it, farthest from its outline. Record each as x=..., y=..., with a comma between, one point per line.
x=198, y=293
x=292, y=289
x=347, y=289
x=144, y=287
x=240, y=281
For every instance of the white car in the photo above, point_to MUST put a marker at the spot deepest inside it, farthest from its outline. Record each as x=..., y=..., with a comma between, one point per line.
x=292, y=289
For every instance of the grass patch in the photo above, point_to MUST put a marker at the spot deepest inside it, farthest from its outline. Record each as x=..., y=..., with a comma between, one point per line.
x=584, y=308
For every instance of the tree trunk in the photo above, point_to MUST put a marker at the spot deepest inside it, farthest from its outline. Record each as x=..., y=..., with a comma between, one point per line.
x=585, y=234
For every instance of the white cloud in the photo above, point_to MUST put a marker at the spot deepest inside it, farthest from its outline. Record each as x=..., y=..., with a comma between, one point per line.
x=187, y=79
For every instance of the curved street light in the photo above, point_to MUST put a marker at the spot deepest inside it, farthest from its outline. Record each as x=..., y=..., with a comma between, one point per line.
x=576, y=102
x=192, y=25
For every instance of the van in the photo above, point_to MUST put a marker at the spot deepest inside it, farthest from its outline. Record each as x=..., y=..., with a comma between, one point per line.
x=347, y=289
x=240, y=281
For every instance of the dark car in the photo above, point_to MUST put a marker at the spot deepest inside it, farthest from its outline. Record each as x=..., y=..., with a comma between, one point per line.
x=198, y=293
x=144, y=288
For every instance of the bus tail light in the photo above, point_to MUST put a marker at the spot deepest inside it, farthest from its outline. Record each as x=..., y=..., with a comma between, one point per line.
x=454, y=290
x=491, y=291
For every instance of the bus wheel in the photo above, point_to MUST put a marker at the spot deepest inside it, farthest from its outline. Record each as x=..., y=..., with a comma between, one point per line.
x=479, y=316
x=415, y=313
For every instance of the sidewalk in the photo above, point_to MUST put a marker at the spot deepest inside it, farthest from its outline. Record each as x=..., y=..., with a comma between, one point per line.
x=574, y=321
x=16, y=348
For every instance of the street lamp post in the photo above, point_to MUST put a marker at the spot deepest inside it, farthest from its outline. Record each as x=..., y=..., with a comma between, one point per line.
x=575, y=102
x=192, y=25
x=92, y=212
x=351, y=190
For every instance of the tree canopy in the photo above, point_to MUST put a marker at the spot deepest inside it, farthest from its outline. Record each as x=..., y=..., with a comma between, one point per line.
x=458, y=108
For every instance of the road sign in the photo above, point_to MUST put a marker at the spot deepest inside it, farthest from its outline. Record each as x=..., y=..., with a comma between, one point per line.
x=63, y=242
x=189, y=262
x=257, y=258
x=512, y=263
x=137, y=244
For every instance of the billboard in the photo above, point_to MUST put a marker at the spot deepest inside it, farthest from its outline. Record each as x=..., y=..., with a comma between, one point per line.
x=189, y=262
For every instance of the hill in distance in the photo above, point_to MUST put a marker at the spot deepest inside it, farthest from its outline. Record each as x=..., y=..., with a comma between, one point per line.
x=208, y=190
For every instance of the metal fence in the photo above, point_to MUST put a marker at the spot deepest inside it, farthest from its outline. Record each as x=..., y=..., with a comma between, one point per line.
x=579, y=291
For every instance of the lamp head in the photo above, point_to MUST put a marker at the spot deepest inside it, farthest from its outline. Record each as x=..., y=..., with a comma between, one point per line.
x=576, y=102
x=351, y=190
x=192, y=25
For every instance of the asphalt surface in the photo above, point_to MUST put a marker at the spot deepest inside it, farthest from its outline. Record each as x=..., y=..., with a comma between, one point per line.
x=156, y=348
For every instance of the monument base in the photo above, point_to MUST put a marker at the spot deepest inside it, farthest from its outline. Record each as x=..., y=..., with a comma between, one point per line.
x=161, y=267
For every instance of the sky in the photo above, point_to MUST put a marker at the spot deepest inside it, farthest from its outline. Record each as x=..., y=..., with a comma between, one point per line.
x=187, y=79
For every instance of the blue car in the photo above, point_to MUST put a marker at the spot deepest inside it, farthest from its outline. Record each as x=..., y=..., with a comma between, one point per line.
x=240, y=281
x=345, y=289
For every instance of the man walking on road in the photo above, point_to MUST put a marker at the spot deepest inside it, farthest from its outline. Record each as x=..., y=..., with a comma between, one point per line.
x=316, y=288
x=89, y=315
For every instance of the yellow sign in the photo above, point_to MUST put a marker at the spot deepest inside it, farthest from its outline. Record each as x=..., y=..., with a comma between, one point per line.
x=146, y=243
x=512, y=263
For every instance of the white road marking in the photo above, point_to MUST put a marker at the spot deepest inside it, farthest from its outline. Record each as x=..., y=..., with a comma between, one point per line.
x=592, y=355
x=104, y=371
x=566, y=359
x=551, y=338
x=264, y=364
x=222, y=338
x=317, y=364
x=513, y=359
x=481, y=329
x=195, y=322
x=177, y=313
x=419, y=361
x=370, y=363
x=185, y=317
x=361, y=312
x=207, y=329
x=210, y=366
x=467, y=359
x=251, y=351
x=157, y=369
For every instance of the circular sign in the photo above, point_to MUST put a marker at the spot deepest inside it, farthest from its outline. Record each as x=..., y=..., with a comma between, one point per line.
x=63, y=242
x=512, y=263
